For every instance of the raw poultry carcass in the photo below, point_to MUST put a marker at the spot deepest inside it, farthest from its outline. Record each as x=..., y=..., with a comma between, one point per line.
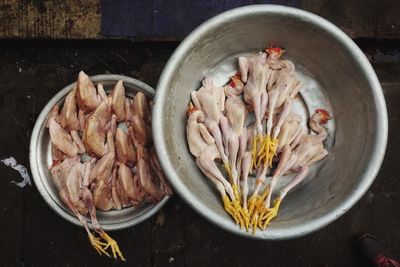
x=101, y=174
x=256, y=200
x=306, y=150
x=118, y=100
x=127, y=187
x=290, y=129
x=234, y=135
x=282, y=88
x=202, y=146
x=255, y=72
x=79, y=199
x=151, y=177
x=126, y=152
x=69, y=115
x=87, y=97
x=210, y=100
x=95, y=131
x=60, y=139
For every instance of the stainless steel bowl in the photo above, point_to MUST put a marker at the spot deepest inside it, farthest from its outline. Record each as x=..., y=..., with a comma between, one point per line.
x=338, y=77
x=40, y=159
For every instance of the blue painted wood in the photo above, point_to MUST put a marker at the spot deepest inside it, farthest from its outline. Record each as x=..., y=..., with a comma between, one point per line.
x=166, y=19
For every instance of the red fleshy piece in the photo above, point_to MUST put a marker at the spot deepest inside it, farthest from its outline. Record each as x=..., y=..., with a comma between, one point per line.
x=324, y=115
x=54, y=163
x=236, y=80
x=271, y=49
x=191, y=108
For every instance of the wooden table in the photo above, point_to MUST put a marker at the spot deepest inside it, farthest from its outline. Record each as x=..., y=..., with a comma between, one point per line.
x=33, y=235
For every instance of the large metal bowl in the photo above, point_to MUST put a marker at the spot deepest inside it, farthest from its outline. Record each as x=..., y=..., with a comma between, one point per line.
x=338, y=77
x=40, y=159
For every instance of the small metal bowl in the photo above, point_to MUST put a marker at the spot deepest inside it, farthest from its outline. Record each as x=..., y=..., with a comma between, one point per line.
x=338, y=77
x=40, y=159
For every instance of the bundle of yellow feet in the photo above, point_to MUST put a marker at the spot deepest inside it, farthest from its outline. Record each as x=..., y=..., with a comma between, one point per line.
x=254, y=215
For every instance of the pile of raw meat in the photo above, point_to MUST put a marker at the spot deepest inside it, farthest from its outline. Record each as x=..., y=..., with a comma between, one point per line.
x=103, y=155
x=248, y=126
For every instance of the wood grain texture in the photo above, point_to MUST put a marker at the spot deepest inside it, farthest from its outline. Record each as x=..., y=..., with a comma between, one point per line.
x=33, y=235
x=50, y=19
x=360, y=18
x=71, y=19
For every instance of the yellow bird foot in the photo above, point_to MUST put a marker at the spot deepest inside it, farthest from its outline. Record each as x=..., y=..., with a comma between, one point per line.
x=263, y=150
x=273, y=146
x=261, y=144
x=228, y=169
x=97, y=245
x=253, y=223
x=236, y=191
x=272, y=213
x=255, y=218
x=246, y=218
x=239, y=211
x=228, y=207
x=113, y=245
x=261, y=199
x=256, y=149
x=252, y=204
x=253, y=151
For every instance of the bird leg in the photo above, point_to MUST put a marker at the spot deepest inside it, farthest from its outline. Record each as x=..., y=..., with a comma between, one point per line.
x=216, y=133
x=94, y=241
x=273, y=212
x=278, y=172
x=246, y=164
x=207, y=164
x=242, y=151
x=108, y=241
x=210, y=170
x=255, y=197
x=269, y=144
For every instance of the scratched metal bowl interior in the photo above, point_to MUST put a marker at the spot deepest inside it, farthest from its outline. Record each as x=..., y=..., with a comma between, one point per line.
x=41, y=159
x=337, y=77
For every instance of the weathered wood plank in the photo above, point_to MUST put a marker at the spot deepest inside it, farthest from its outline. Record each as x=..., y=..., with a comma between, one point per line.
x=360, y=18
x=50, y=19
x=82, y=19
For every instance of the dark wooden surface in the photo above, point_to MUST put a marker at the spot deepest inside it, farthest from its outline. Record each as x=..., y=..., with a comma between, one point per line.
x=31, y=234
x=70, y=19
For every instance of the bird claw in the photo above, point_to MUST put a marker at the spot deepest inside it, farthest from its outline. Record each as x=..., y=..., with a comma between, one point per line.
x=252, y=204
x=98, y=245
x=246, y=218
x=236, y=191
x=239, y=211
x=272, y=149
x=261, y=216
x=256, y=149
x=271, y=214
x=113, y=244
x=228, y=207
x=268, y=151
x=253, y=222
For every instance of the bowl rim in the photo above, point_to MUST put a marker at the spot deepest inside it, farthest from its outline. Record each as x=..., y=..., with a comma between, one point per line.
x=61, y=210
x=366, y=177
